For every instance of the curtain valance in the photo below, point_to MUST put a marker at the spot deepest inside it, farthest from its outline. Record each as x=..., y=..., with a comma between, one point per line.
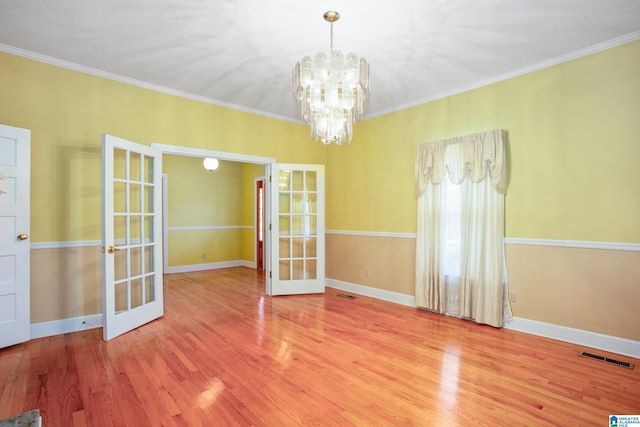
x=474, y=156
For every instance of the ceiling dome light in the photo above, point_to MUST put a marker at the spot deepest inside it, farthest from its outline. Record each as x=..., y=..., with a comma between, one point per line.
x=210, y=164
x=332, y=91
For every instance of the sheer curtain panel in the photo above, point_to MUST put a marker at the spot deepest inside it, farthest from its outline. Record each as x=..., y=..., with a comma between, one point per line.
x=460, y=264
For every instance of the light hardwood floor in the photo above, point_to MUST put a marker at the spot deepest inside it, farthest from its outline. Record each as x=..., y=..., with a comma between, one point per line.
x=226, y=354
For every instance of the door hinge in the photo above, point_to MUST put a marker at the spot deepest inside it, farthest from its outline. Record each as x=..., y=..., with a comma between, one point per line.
x=269, y=275
x=269, y=178
x=269, y=227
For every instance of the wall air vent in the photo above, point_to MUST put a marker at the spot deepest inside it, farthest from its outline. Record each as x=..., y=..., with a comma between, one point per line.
x=347, y=296
x=606, y=360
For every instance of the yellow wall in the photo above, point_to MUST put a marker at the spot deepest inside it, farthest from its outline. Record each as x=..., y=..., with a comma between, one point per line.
x=191, y=247
x=67, y=112
x=572, y=149
x=203, y=199
x=573, y=175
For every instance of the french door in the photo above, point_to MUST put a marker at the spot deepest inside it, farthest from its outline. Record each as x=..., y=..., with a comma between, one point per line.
x=131, y=235
x=297, y=229
x=15, y=178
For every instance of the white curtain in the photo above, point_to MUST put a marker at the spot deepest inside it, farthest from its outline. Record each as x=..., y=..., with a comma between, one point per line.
x=477, y=290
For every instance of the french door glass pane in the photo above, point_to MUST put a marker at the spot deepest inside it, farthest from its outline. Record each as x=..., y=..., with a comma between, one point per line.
x=119, y=197
x=135, y=230
x=298, y=248
x=135, y=167
x=149, y=290
x=298, y=270
x=311, y=181
x=119, y=164
x=297, y=203
x=148, y=229
x=148, y=259
x=134, y=197
x=285, y=248
x=310, y=247
x=120, y=294
x=310, y=268
x=284, y=182
x=297, y=181
x=313, y=225
x=285, y=229
x=297, y=225
x=136, y=261
x=285, y=274
x=148, y=169
x=120, y=264
x=311, y=203
x=147, y=199
x=136, y=293
x=120, y=230
x=284, y=204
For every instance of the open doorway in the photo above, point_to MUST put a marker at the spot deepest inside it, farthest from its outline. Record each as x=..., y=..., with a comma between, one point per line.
x=195, y=230
x=293, y=197
x=260, y=217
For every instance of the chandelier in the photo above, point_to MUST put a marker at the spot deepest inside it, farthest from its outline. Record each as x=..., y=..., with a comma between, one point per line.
x=332, y=91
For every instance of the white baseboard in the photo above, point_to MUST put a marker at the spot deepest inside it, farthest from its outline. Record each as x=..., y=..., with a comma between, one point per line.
x=395, y=297
x=589, y=339
x=595, y=340
x=75, y=324
x=207, y=266
x=248, y=264
x=64, y=326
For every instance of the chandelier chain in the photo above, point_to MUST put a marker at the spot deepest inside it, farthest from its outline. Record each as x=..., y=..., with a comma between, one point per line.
x=331, y=39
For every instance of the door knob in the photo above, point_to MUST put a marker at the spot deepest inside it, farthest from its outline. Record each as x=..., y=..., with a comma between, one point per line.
x=22, y=236
x=110, y=250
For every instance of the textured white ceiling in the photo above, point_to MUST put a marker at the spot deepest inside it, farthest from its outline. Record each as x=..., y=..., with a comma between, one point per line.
x=241, y=53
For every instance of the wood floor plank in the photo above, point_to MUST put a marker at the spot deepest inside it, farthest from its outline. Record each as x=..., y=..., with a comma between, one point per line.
x=226, y=354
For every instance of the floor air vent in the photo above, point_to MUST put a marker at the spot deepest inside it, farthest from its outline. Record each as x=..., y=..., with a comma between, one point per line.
x=347, y=296
x=606, y=360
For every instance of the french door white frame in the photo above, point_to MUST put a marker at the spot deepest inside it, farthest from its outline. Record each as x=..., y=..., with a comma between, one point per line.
x=297, y=229
x=130, y=224
x=220, y=155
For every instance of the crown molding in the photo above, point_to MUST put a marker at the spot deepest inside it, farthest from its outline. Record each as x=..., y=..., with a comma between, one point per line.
x=134, y=82
x=619, y=41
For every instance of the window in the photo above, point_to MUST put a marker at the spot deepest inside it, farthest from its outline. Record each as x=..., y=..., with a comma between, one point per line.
x=451, y=227
x=460, y=268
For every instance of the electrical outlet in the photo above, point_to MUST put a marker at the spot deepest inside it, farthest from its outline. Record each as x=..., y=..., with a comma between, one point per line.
x=367, y=272
x=512, y=296
x=204, y=255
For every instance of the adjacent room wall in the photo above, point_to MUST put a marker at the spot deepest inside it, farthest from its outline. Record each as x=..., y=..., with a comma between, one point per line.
x=204, y=211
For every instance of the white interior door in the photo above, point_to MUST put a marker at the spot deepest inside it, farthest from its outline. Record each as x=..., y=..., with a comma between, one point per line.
x=131, y=235
x=296, y=258
x=15, y=178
